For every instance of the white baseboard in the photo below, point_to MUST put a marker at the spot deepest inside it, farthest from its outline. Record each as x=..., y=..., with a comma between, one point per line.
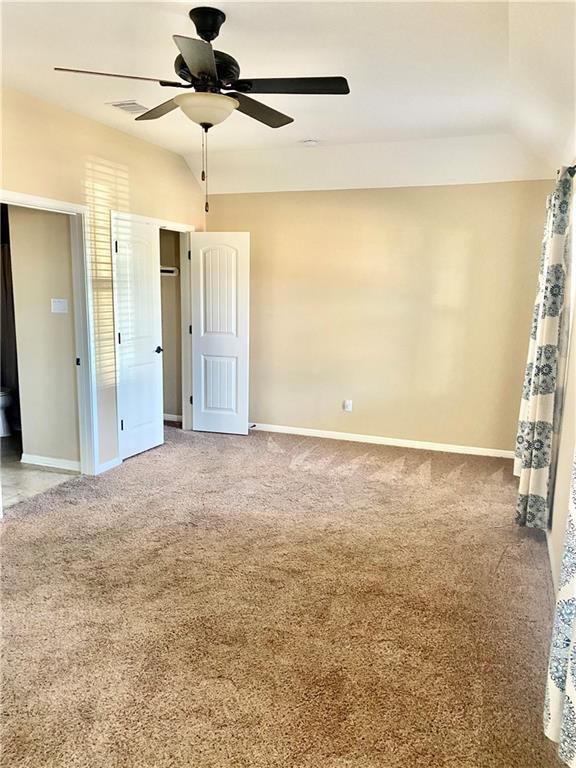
x=393, y=441
x=48, y=461
x=108, y=465
x=172, y=417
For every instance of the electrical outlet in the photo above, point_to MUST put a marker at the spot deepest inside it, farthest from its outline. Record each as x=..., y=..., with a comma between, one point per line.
x=347, y=406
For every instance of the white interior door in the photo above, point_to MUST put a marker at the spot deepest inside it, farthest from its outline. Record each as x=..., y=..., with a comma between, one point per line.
x=138, y=317
x=220, y=331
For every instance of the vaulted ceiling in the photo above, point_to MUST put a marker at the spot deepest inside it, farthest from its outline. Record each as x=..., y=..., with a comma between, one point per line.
x=419, y=73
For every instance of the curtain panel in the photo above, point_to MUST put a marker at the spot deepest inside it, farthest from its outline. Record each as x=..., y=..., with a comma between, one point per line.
x=560, y=701
x=543, y=389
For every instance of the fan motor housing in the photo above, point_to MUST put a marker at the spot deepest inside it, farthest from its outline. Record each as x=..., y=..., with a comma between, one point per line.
x=227, y=67
x=207, y=22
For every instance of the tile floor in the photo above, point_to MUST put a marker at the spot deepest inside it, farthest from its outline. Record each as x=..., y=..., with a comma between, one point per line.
x=20, y=481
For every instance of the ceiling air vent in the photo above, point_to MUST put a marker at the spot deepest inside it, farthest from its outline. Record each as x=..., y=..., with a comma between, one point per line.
x=130, y=106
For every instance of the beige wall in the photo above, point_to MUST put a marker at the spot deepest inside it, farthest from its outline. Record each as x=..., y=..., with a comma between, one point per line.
x=171, y=330
x=42, y=270
x=415, y=303
x=50, y=152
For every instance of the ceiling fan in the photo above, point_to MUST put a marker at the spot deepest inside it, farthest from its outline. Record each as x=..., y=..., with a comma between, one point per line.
x=214, y=78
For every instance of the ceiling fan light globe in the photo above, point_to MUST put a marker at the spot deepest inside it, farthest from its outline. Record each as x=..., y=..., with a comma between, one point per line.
x=206, y=108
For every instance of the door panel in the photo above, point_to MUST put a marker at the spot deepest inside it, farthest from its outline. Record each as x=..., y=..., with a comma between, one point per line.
x=220, y=327
x=138, y=334
x=219, y=276
x=219, y=379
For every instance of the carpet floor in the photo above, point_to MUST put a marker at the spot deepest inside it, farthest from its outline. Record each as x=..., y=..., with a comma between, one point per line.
x=275, y=602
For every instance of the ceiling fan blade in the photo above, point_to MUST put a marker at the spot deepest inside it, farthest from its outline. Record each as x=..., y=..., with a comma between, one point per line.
x=125, y=77
x=260, y=111
x=198, y=55
x=311, y=85
x=159, y=111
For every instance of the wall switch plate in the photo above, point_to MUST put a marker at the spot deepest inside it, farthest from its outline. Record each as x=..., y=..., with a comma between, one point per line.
x=59, y=306
x=347, y=406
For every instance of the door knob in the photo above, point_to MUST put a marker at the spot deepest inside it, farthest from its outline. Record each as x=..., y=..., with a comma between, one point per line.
x=158, y=350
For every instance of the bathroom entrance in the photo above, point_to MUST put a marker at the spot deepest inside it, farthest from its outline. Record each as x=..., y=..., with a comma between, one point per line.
x=10, y=425
x=39, y=418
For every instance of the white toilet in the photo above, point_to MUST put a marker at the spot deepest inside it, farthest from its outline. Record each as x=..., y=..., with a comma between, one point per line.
x=5, y=401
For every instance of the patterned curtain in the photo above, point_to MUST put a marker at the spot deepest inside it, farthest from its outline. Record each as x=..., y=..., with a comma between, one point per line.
x=560, y=702
x=542, y=394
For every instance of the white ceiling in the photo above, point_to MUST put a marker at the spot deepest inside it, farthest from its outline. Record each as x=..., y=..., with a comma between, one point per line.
x=417, y=71
x=421, y=71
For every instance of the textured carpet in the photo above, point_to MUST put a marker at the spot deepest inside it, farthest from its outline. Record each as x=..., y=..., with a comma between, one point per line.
x=276, y=601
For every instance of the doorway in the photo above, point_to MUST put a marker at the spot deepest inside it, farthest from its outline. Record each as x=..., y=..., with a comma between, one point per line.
x=149, y=368
x=76, y=216
x=9, y=392
x=40, y=416
x=181, y=303
x=170, y=279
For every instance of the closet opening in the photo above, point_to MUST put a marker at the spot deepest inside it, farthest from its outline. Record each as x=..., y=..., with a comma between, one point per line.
x=171, y=326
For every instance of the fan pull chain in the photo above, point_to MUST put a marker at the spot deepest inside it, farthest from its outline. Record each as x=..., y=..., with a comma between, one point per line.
x=205, y=127
x=203, y=169
x=206, y=205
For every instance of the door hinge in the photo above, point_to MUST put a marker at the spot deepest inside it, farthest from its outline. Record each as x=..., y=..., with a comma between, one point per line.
x=189, y=255
x=191, y=400
x=190, y=329
x=77, y=361
x=122, y=425
x=115, y=246
x=119, y=338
